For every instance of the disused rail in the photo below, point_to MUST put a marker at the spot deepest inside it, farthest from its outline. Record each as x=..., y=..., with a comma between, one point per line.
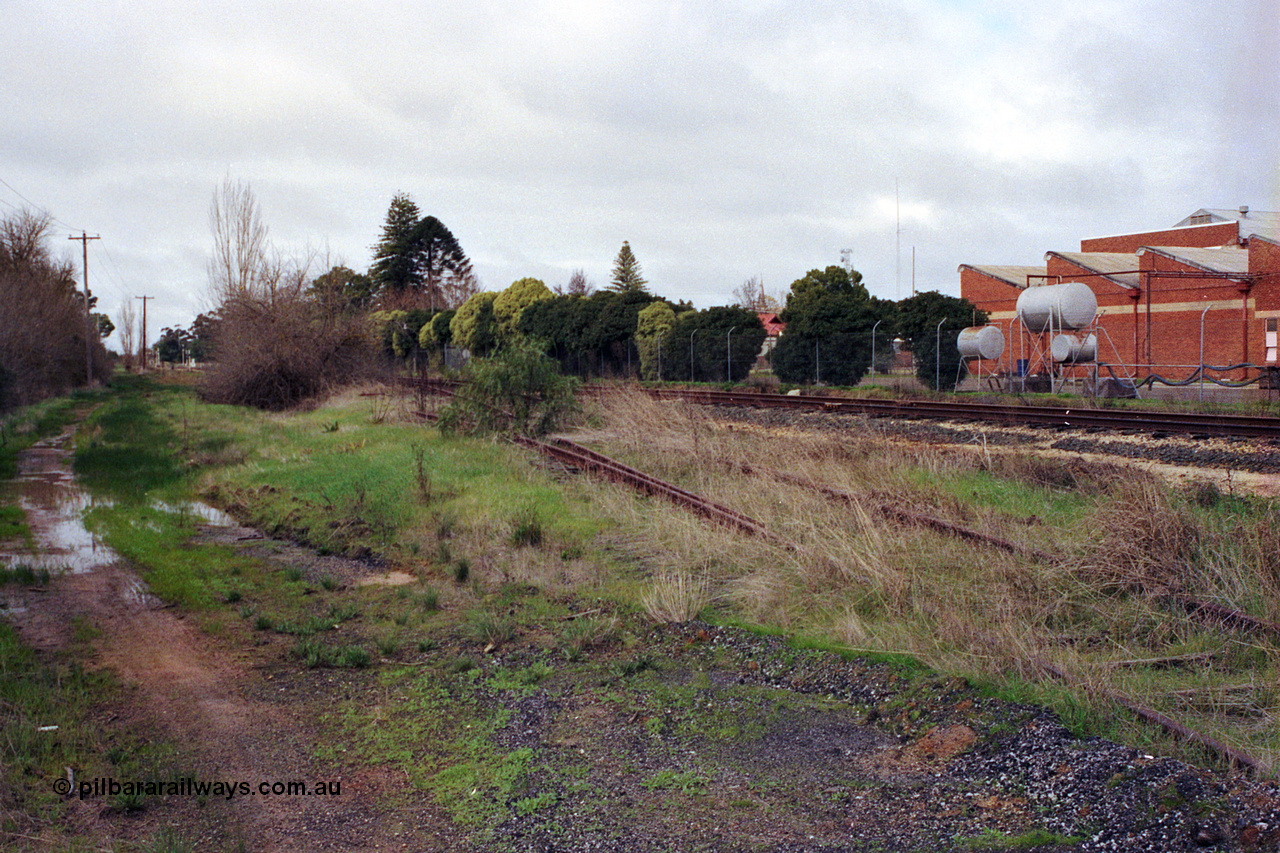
x=902, y=515
x=1236, y=757
x=1004, y=414
x=582, y=458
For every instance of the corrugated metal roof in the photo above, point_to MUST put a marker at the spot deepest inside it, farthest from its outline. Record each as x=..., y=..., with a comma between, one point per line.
x=1114, y=266
x=1014, y=275
x=1227, y=259
x=1265, y=223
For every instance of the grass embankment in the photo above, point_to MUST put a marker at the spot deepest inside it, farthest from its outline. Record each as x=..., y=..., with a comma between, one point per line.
x=1099, y=608
x=350, y=478
x=561, y=577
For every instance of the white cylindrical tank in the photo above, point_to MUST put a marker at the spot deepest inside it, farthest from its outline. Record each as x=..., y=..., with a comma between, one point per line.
x=1058, y=306
x=1071, y=349
x=981, y=342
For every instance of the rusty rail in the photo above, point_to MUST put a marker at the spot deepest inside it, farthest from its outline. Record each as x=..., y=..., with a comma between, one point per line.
x=1234, y=756
x=1207, y=611
x=903, y=515
x=581, y=458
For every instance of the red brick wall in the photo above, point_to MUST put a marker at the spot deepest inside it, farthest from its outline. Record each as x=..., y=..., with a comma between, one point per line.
x=1264, y=261
x=1176, y=307
x=996, y=297
x=1232, y=332
x=1216, y=234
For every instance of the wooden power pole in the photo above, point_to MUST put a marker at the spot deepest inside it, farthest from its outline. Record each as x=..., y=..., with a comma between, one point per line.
x=88, y=318
x=144, y=330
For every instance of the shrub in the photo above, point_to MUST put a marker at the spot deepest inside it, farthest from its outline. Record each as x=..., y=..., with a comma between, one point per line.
x=275, y=353
x=518, y=391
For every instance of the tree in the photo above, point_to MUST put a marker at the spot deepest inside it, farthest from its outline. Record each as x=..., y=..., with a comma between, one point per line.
x=512, y=302
x=395, y=265
x=626, y=272
x=447, y=276
x=705, y=337
x=557, y=323
x=829, y=317
x=418, y=259
x=436, y=334
x=42, y=317
x=128, y=327
x=342, y=289
x=578, y=285
x=473, y=328
x=104, y=324
x=171, y=344
x=204, y=334
x=276, y=345
x=517, y=391
x=240, y=250
x=752, y=295
x=653, y=322
x=918, y=324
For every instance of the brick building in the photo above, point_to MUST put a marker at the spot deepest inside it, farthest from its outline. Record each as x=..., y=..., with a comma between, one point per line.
x=1154, y=289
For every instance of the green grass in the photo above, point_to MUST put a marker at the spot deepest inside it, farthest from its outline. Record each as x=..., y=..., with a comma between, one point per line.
x=47, y=716
x=24, y=575
x=13, y=524
x=156, y=541
x=990, y=839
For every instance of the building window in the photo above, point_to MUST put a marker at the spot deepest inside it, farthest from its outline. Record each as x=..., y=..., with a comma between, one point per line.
x=1272, y=344
x=1201, y=219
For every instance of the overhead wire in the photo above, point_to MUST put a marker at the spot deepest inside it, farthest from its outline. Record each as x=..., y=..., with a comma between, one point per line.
x=39, y=207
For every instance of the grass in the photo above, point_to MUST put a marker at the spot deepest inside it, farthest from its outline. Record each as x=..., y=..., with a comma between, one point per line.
x=510, y=558
x=1119, y=540
x=50, y=716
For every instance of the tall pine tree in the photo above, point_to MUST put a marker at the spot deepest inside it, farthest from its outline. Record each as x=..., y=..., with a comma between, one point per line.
x=626, y=272
x=421, y=258
x=395, y=267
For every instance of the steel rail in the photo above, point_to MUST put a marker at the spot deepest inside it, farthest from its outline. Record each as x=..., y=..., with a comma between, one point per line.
x=582, y=458
x=1195, y=423
x=1057, y=417
x=1234, y=756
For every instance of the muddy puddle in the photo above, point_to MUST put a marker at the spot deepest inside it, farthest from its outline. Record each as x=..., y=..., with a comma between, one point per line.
x=55, y=504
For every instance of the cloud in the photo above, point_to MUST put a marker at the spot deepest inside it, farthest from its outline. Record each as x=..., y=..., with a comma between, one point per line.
x=722, y=140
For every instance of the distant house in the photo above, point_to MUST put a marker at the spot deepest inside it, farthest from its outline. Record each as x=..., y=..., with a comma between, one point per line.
x=1216, y=271
x=773, y=329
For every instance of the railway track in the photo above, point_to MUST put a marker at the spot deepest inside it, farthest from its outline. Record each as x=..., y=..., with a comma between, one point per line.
x=577, y=457
x=1131, y=420
x=1006, y=414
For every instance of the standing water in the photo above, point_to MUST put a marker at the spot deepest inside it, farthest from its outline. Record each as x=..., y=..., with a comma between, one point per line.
x=55, y=504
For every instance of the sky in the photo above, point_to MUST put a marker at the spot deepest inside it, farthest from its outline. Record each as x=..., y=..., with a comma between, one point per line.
x=723, y=141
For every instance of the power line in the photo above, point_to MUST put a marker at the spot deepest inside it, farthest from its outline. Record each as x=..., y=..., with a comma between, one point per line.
x=119, y=276
x=39, y=207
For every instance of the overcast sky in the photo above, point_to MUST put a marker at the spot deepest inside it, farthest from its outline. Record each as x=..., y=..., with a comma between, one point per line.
x=723, y=140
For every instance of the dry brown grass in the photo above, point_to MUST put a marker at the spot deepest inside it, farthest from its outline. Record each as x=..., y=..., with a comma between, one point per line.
x=879, y=585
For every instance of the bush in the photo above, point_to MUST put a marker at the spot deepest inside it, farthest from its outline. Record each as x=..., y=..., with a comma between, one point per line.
x=42, y=322
x=519, y=390
x=276, y=353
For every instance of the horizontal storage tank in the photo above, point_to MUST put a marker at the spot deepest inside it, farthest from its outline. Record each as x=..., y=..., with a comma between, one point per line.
x=1072, y=349
x=981, y=342
x=1057, y=306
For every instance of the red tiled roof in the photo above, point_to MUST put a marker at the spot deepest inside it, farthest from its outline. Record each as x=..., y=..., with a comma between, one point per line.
x=773, y=327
